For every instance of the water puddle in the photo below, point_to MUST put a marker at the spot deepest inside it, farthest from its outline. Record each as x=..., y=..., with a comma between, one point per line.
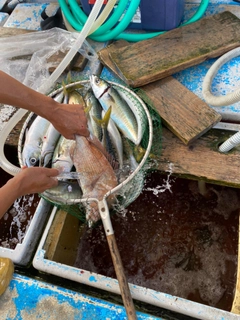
x=15, y=222
x=174, y=240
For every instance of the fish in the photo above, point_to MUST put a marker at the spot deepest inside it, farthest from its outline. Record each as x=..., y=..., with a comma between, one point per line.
x=59, y=97
x=49, y=144
x=138, y=111
x=63, y=193
x=61, y=158
x=94, y=109
x=34, y=138
x=130, y=191
x=113, y=137
x=96, y=174
x=121, y=114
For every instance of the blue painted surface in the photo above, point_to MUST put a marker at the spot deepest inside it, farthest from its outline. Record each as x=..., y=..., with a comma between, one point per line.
x=3, y=18
x=27, y=298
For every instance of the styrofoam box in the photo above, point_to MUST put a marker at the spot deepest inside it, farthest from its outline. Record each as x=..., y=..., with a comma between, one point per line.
x=163, y=300
x=23, y=252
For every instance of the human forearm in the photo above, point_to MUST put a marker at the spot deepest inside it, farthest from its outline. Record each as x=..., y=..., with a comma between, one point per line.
x=8, y=194
x=13, y=92
x=69, y=120
x=28, y=180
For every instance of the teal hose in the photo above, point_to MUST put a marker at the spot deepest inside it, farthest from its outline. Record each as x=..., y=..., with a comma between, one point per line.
x=121, y=26
x=109, y=24
x=106, y=33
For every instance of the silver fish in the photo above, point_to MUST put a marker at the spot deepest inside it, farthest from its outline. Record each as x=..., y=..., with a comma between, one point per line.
x=138, y=111
x=61, y=158
x=121, y=112
x=116, y=140
x=63, y=193
x=131, y=190
x=34, y=140
x=94, y=110
x=49, y=144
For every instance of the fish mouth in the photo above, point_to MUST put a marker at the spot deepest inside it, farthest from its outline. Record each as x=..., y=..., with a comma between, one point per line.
x=92, y=80
x=104, y=91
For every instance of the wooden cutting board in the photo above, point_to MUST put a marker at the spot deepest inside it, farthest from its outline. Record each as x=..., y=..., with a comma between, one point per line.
x=184, y=113
x=150, y=60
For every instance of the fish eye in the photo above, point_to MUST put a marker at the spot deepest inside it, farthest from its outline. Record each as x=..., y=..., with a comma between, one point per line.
x=33, y=161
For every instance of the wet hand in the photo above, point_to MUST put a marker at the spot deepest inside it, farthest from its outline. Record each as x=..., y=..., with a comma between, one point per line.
x=70, y=120
x=35, y=180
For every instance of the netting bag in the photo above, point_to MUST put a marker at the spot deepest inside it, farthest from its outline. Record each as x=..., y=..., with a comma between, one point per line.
x=137, y=159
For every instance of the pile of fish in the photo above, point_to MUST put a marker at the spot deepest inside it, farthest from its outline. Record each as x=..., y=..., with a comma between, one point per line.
x=90, y=167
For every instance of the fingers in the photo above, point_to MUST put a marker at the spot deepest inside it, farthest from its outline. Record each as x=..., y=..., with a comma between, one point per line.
x=52, y=172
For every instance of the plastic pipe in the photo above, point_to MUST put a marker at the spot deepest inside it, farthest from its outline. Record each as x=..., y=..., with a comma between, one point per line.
x=230, y=143
x=229, y=98
x=218, y=101
x=103, y=34
x=71, y=53
x=118, y=34
x=79, y=14
x=5, y=164
x=103, y=16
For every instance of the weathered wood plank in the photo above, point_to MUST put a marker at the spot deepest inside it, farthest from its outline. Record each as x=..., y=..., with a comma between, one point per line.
x=186, y=115
x=105, y=59
x=201, y=160
x=150, y=60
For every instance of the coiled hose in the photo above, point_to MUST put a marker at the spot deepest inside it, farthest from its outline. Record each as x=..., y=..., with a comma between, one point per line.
x=75, y=18
x=219, y=101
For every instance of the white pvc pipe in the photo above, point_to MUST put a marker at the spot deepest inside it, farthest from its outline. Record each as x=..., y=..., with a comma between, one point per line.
x=230, y=143
x=219, y=101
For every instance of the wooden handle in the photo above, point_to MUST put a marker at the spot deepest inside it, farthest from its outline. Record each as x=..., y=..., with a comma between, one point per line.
x=123, y=284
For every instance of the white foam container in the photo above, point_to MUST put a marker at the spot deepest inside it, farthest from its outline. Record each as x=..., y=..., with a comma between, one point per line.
x=160, y=299
x=23, y=252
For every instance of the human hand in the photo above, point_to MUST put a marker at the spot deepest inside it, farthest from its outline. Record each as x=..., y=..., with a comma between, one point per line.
x=69, y=120
x=34, y=180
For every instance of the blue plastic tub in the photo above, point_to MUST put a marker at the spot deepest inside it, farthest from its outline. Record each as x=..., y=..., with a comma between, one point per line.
x=155, y=15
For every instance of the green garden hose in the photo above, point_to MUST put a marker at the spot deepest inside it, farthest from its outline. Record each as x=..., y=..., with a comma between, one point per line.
x=107, y=31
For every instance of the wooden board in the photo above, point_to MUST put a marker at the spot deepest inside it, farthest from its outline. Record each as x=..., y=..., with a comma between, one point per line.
x=186, y=115
x=78, y=62
x=201, y=160
x=150, y=60
x=105, y=59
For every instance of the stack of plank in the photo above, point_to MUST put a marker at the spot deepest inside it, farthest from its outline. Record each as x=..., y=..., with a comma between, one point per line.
x=188, y=140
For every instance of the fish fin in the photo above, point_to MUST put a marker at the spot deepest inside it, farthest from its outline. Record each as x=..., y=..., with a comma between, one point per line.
x=104, y=122
x=87, y=110
x=69, y=77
